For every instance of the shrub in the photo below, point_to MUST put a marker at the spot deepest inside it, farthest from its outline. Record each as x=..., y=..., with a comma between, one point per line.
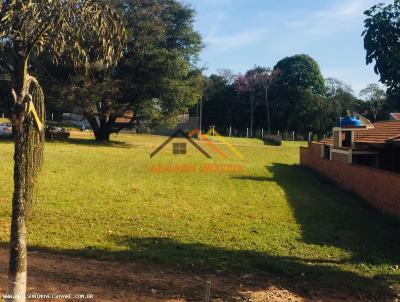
x=274, y=140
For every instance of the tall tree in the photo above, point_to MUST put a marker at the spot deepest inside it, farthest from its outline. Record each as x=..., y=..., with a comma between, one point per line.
x=245, y=85
x=382, y=43
x=61, y=28
x=298, y=77
x=158, y=68
x=227, y=74
x=341, y=97
x=220, y=108
x=376, y=97
x=266, y=77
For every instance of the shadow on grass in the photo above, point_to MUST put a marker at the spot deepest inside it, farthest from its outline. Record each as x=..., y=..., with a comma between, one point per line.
x=6, y=140
x=92, y=143
x=81, y=141
x=304, y=277
x=330, y=216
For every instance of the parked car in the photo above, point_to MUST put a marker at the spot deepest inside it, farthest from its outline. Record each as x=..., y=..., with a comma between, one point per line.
x=5, y=130
x=56, y=132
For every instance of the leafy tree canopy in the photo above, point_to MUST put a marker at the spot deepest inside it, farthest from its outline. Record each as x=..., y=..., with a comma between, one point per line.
x=300, y=72
x=61, y=28
x=382, y=42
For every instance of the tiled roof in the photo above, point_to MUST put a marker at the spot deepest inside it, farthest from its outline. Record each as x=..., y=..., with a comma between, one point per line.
x=396, y=139
x=395, y=116
x=327, y=141
x=380, y=134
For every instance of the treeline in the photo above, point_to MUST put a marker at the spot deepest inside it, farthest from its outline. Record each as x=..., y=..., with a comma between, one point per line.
x=158, y=78
x=292, y=96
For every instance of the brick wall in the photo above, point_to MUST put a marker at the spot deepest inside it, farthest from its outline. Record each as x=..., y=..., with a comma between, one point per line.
x=336, y=139
x=340, y=157
x=380, y=188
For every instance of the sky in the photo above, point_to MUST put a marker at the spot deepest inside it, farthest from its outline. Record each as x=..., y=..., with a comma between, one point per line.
x=239, y=34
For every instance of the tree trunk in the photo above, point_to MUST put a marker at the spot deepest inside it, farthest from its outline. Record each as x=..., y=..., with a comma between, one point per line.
x=103, y=128
x=28, y=122
x=268, y=115
x=102, y=135
x=17, y=270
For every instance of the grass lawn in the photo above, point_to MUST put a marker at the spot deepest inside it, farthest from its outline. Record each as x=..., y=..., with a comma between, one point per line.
x=274, y=218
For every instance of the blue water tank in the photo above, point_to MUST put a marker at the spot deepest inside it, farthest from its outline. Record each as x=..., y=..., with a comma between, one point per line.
x=349, y=121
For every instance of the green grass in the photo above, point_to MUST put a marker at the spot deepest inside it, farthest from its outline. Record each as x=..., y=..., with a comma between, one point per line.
x=274, y=217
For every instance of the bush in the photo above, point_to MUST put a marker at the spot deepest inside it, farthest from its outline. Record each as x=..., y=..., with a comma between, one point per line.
x=273, y=140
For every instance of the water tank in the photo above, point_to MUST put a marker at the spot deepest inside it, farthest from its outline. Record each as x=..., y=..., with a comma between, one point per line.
x=349, y=121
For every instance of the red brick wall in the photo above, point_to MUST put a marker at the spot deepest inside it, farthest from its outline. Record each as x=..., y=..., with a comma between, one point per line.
x=336, y=139
x=378, y=187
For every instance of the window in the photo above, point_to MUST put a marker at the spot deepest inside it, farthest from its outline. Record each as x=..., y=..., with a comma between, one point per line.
x=179, y=148
x=346, y=136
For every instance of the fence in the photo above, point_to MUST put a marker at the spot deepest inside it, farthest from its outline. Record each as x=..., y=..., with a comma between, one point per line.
x=58, y=117
x=262, y=133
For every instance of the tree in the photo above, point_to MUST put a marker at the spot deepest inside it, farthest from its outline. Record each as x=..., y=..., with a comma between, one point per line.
x=160, y=62
x=375, y=96
x=227, y=74
x=266, y=78
x=220, y=108
x=246, y=86
x=61, y=28
x=300, y=71
x=158, y=67
x=299, y=77
x=382, y=42
x=341, y=97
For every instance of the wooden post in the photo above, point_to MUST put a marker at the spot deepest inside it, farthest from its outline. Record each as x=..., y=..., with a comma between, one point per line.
x=208, y=291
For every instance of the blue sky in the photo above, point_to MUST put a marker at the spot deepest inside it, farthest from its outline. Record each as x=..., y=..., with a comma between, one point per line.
x=239, y=34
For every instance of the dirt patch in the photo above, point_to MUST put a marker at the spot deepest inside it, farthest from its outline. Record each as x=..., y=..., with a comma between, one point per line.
x=114, y=281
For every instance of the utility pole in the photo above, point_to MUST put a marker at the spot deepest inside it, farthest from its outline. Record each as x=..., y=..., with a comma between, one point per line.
x=201, y=115
x=266, y=103
x=251, y=116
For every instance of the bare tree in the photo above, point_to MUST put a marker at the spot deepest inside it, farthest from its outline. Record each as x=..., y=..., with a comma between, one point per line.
x=61, y=28
x=256, y=80
x=266, y=78
x=375, y=96
x=227, y=74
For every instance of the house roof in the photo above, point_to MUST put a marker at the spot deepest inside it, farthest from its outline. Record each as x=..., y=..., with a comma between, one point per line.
x=395, y=116
x=382, y=133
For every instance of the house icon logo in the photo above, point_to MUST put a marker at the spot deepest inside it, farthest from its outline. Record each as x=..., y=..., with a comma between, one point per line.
x=179, y=148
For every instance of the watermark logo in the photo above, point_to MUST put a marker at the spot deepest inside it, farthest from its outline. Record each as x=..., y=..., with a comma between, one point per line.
x=180, y=148
x=214, y=145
